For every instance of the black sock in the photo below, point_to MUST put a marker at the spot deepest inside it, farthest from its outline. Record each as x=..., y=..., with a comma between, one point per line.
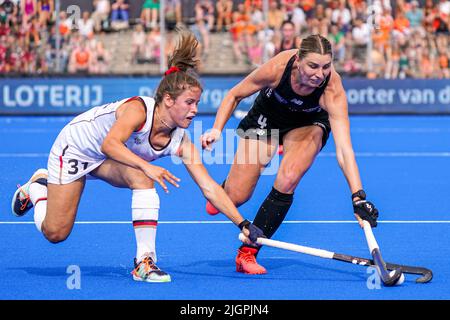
x=272, y=212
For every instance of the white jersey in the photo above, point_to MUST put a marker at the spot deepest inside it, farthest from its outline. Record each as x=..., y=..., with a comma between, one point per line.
x=77, y=150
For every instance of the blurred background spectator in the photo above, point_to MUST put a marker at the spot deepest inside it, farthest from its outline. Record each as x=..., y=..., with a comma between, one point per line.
x=45, y=11
x=204, y=20
x=289, y=39
x=224, y=9
x=101, y=14
x=173, y=13
x=150, y=10
x=119, y=15
x=86, y=25
x=398, y=39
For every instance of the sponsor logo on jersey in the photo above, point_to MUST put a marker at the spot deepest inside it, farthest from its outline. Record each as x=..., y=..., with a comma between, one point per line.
x=315, y=109
x=137, y=140
x=297, y=101
x=280, y=98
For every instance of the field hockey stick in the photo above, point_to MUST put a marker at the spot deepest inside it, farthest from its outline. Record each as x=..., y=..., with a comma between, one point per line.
x=425, y=274
x=388, y=278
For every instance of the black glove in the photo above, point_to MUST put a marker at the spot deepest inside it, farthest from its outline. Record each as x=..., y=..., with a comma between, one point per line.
x=366, y=210
x=255, y=232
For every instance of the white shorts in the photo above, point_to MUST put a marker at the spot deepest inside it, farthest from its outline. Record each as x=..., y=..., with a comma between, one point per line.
x=66, y=163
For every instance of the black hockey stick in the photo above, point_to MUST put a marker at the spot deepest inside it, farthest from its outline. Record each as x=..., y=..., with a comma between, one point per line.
x=425, y=274
x=389, y=278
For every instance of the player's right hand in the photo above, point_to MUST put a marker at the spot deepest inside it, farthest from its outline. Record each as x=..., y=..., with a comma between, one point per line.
x=208, y=138
x=365, y=210
x=251, y=231
x=160, y=175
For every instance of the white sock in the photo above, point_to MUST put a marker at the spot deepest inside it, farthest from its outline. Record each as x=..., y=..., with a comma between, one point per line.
x=38, y=196
x=145, y=212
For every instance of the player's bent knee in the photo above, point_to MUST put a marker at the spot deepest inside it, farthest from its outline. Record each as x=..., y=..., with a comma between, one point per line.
x=238, y=196
x=288, y=179
x=55, y=235
x=139, y=180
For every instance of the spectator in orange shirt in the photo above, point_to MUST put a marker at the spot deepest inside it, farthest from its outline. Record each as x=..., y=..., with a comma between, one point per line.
x=80, y=59
x=240, y=31
x=64, y=25
x=308, y=7
x=444, y=65
x=249, y=4
x=426, y=65
x=430, y=12
x=401, y=26
x=385, y=24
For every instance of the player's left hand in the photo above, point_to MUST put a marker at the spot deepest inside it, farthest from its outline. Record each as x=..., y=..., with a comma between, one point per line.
x=251, y=231
x=209, y=138
x=365, y=210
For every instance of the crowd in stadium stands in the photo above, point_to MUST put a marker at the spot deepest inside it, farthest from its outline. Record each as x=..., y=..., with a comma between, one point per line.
x=410, y=39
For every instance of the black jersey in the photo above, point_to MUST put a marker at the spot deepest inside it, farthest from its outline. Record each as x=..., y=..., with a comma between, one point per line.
x=284, y=105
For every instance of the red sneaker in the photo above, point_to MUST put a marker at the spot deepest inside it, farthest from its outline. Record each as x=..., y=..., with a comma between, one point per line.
x=211, y=209
x=246, y=261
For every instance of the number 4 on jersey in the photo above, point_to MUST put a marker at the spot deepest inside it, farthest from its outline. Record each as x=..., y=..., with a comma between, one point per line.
x=262, y=121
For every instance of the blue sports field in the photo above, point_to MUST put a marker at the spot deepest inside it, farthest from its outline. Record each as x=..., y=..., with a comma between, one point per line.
x=404, y=162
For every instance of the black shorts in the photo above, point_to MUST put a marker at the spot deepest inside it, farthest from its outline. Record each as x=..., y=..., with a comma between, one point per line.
x=258, y=124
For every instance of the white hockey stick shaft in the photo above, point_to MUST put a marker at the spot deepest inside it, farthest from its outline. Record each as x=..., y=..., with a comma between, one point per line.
x=371, y=241
x=292, y=247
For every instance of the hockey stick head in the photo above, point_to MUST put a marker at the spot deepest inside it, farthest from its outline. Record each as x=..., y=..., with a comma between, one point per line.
x=389, y=279
x=427, y=275
x=393, y=277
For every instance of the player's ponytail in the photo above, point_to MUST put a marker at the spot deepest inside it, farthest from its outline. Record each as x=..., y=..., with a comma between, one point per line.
x=315, y=44
x=182, y=64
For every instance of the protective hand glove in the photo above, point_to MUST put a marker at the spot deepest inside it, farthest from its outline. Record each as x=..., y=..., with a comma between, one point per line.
x=254, y=231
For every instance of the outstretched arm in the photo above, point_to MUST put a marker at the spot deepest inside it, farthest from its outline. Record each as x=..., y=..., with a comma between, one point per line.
x=268, y=75
x=212, y=191
x=335, y=102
